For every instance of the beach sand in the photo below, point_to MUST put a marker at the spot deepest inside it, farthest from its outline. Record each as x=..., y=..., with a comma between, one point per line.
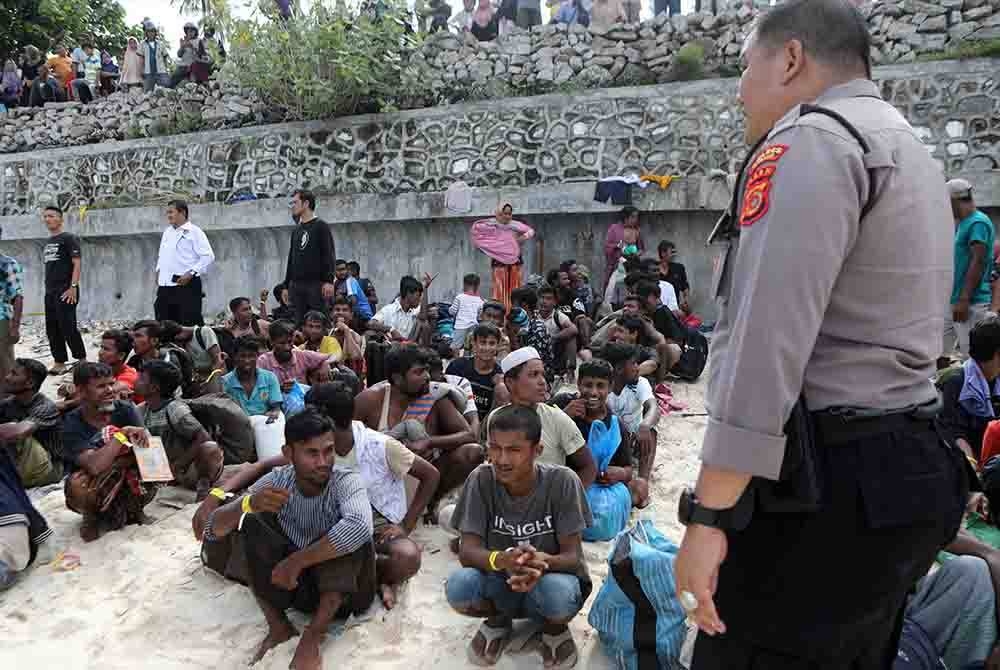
x=141, y=598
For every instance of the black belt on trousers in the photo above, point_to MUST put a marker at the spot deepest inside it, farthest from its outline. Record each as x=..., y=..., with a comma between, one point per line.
x=833, y=429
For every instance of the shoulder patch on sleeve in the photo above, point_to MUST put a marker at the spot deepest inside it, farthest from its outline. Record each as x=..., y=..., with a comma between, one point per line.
x=756, y=194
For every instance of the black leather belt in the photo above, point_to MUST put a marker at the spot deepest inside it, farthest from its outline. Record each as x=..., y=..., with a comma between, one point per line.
x=835, y=428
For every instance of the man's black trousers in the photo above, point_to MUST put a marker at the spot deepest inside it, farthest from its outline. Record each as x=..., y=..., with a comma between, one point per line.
x=180, y=303
x=61, y=328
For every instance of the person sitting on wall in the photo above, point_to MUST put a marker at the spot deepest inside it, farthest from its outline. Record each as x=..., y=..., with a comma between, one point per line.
x=307, y=531
x=254, y=389
x=432, y=429
x=195, y=459
x=243, y=322
x=30, y=425
x=103, y=483
x=521, y=523
x=289, y=364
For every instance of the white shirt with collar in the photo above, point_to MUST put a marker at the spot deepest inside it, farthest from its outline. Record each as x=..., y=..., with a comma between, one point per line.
x=183, y=249
x=394, y=316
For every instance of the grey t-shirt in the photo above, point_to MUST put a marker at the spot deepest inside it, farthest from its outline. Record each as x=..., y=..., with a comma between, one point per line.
x=557, y=506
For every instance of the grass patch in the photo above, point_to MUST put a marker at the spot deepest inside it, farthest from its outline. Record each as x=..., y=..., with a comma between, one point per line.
x=965, y=51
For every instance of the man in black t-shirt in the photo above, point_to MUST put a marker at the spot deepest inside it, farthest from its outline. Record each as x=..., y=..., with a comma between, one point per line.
x=482, y=369
x=62, y=291
x=310, y=273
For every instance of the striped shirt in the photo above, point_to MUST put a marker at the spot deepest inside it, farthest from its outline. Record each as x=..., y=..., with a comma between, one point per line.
x=341, y=512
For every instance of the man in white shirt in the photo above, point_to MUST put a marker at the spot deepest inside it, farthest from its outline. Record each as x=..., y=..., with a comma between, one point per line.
x=185, y=255
x=400, y=317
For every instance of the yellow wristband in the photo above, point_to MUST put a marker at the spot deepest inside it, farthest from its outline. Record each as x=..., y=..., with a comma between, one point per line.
x=493, y=561
x=246, y=505
x=218, y=493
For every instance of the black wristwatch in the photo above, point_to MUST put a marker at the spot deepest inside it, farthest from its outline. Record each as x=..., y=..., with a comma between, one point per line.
x=689, y=511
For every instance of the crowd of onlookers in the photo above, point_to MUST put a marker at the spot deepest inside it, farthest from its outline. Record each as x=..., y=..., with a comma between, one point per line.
x=85, y=72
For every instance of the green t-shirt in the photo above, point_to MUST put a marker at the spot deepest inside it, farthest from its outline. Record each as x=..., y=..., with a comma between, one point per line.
x=976, y=227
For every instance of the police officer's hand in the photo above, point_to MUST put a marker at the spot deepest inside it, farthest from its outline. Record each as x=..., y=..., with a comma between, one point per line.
x=697, y=571
x=960, y=311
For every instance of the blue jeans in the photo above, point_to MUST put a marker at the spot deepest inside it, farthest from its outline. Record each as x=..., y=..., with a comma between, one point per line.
x=556, y=596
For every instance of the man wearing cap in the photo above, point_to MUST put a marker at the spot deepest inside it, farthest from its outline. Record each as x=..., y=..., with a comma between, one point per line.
x=820, y=367
x=562, y=444
x=971, y=293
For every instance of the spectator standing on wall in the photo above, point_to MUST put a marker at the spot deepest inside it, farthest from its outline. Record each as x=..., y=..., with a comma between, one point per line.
x=606, y=13
x=30, y=64
x=622, y=234
x=11, y=307
x=85, y=86
x=109, y=74
x=61, y=66
x=132, y=65
x=10, y=85
x=310, y=273
x=485, y=23
x=154, y=60
x=462, y=21
x=63, y=267
x=661, y=6
x=529, y=13
x=185, y=255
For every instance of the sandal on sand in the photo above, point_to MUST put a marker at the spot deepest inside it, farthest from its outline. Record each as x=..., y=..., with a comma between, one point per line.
x=551, y=644
x=499, y=635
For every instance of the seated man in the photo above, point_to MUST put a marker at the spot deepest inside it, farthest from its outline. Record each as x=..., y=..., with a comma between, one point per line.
x=383, y=464
x=243, y=322
x=482, y=370
x=30, y=425
x=103, y=484
x=527, y=329
x=316, y=329
x=116, y=345
x=22, y=528
x=521, y=552
x=562, y=332
x=591, y=405
x=634, y=330
x=195, y=459
x=400, y=319
x=202, y=345
x=631, y=399
x=493, y=313
x=256, y=390
x=147, y=345
x=284, y=311
x=307, y=530
x=671, y=271
x=289, y=364
x=459, y=389
x=970, y=392
x=434, y=430
x=562, y=444
x=350, y=288
x=351, y=343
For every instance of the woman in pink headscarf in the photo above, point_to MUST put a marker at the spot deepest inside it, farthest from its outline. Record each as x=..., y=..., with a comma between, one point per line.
x=500, y=238
x=132, y=65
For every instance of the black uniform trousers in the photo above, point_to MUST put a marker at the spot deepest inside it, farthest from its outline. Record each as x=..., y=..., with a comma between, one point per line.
x=180, y=303
x=826, y=591
x=61, y=328
x=306, y=296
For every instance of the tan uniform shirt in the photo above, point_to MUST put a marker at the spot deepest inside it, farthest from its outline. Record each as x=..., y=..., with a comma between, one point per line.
x=812, y=299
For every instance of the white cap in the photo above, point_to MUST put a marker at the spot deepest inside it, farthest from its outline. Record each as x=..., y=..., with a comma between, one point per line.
x=519, y=357
x=959, y=189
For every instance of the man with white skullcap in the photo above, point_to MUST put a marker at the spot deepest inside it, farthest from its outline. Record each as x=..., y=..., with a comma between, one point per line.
x=524, y=376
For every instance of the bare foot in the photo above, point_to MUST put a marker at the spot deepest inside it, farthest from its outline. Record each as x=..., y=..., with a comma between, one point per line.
x=388, y=593
x=307, y=656
x=275, y=636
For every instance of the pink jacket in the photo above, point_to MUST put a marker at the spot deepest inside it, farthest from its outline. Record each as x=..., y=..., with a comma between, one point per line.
x=499, y=241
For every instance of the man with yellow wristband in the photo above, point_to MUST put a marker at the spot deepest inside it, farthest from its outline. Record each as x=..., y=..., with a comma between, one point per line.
x=307, y=531
x=521, y=523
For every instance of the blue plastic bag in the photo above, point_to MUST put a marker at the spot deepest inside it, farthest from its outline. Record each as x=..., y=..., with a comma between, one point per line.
x=636, y=613
x=609, y=505
x=295, y=399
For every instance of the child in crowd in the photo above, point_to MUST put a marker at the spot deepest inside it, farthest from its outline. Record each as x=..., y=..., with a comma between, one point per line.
x=482, y=369
x=632, y=401
x=493, y=313
x=465, y=308
x=521, y=551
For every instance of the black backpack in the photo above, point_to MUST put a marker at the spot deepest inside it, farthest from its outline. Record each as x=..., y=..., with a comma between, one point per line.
x=693, y=358
x=227, y=424
x=182, y=359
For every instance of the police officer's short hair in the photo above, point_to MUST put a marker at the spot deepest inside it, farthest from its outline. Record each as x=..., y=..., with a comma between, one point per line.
x=984, y=339
x=831, y=31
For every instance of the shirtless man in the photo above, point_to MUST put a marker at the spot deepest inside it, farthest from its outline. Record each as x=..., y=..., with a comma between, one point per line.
x=449, y=445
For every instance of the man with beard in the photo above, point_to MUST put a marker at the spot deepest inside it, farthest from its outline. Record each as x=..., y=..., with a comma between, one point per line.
x=307, y=531
x=103, y=485
x=292, y=365
x=434, y=430
x=30, y=425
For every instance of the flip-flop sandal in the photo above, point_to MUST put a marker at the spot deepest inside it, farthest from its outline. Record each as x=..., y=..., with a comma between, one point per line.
x=499, y=635
x=553, y=642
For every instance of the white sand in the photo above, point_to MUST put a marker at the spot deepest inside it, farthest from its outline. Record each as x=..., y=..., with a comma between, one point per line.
x=141, y=598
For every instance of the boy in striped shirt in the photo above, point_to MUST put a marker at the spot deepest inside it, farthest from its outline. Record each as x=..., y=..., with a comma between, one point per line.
x=307, y=530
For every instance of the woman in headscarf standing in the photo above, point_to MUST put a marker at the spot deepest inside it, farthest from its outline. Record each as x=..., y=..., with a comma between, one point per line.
x=500, y=238
x=10, y=85
x=109, y=75
x=30, y=63
x=484, y=22
x=132, y=65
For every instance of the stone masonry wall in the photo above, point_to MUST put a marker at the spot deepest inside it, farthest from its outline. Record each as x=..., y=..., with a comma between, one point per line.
x=545, y=58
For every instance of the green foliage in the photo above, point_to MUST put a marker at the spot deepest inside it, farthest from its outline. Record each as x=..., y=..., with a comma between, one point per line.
x=966, y=50
x=180, y=123
x=689, y=63
x=44, y=23
x=326, y=62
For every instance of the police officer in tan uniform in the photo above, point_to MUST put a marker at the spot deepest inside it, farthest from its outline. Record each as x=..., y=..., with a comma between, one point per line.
x=824, y=492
